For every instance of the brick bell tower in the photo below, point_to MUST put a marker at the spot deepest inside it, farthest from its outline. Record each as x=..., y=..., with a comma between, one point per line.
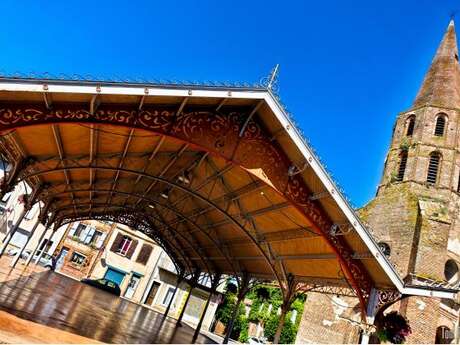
x=416, y=212
x=415, y=215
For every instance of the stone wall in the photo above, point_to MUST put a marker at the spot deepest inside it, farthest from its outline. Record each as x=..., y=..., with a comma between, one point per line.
x=392, y=218
x=329, y=319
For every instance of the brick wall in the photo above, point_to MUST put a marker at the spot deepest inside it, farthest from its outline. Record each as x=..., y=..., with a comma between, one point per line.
x=420, y=223
x=328, y=319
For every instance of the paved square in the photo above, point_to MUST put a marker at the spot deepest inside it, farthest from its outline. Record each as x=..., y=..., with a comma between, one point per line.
x=60, y=302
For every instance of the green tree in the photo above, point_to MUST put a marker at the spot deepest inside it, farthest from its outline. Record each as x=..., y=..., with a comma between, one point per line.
x=271, y=326
x=288, y=333
x=224, y=312
x=262, y=297
x=225, y=309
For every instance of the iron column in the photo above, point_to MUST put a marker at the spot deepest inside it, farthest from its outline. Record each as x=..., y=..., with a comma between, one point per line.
x=18, y=255
x=214, y=285
x=13, y=231
x=242, y=290
x=29, y=259
x=179, y=280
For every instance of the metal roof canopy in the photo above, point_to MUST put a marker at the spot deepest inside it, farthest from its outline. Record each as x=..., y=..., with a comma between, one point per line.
x=220, y=177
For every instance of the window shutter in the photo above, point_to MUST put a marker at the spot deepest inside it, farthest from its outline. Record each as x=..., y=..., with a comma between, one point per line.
x=100, y=242
x=433, y=168
x=73, y=228
x=144, y=254
x=116, y=243
x=89, y=235
x=131, y=249
x=440, y=126
x=84, y=233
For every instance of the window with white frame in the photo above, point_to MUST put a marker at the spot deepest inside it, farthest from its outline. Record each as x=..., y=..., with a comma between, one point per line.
x=96, y=238
x=168, y=296
x=77, y=258
x=6, y=197
x=45, y=246
x=79, y=231
x=124, y=245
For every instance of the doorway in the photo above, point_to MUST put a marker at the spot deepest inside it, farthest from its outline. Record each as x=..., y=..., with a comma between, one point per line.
x=152, y=293
x=132, y=286
x=60, y=260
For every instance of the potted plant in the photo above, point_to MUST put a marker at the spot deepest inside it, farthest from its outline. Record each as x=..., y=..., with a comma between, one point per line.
x=393, y=328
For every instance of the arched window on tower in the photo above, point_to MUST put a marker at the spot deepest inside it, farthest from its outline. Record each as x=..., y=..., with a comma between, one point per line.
x=444, y=335
x=433, y=168
x=410, y=125
x=402, y=165
x=385, y=248
x=451, y=271
x=440, y=127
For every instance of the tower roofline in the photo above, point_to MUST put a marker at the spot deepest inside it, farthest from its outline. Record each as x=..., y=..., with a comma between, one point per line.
x=441, y=85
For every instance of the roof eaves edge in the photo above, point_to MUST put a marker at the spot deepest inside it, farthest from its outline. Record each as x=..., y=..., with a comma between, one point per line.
x=339, y=198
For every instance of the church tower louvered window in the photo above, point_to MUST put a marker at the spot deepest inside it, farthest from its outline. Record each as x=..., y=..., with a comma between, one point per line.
x=402, y=165
x=440, y=126
x=433, y=168
x=410, y=126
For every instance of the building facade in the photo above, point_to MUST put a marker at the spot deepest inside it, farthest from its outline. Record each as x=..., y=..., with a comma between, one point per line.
x=160, y=292
x=43, y=239
x=416, y=213
x=144, y=272
x=81, y=247
x=129, y=260
x=96, y=249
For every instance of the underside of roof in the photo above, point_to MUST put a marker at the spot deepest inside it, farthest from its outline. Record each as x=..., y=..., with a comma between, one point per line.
x=219, y=177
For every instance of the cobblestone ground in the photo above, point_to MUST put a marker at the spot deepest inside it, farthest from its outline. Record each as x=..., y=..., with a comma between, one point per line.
x=50, y=299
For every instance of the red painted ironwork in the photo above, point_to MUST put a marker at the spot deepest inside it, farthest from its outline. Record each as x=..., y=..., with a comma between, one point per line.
x=218, y=134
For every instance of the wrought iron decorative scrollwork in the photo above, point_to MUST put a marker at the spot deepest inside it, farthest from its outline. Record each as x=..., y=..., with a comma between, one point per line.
x=271, y=81
x=385, y=298
x=135, y=221
x=218, y=134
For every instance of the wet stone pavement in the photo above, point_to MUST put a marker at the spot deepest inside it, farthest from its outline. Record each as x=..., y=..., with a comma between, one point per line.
x=60, y=302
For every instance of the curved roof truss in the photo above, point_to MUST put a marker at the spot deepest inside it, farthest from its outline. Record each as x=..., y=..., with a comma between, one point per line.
x=220, y=178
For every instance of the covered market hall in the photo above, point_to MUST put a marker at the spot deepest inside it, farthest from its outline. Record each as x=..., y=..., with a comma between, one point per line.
x=218, y=175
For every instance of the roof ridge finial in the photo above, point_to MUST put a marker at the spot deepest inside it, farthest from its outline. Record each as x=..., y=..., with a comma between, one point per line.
x=271, y=81
x=273, y=76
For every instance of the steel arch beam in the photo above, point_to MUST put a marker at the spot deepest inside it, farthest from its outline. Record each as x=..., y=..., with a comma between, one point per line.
x=121, y=217
x=221, y=135
x=169, y=207
x=231, y=196
x=163, y=223
x=174, y=185
x=134, y=211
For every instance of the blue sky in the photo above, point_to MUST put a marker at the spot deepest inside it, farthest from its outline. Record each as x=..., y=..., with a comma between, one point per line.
x=347, y=67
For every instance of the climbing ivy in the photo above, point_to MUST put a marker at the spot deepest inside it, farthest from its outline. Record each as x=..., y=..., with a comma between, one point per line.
x=261, y=312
